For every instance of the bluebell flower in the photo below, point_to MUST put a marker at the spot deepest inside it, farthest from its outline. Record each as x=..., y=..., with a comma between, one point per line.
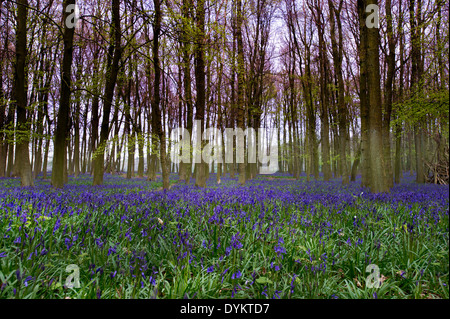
x=236, y=275
x=57, y=225
x=233, y=292
x=280, y=250
x=292, y=283
x=276, y=294
x=223, y=274
x=264, y=292
x=25, y=282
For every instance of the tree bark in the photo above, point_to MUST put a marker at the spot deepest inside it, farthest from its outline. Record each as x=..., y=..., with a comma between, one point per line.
x=416, y=82
x=377, y=163
x=240, y=84
x=201, y=168
x=23, y=127
x=398, y=126
x=112, y=68
x=156, y=113
x=187, y=81
x=364, y=96
x=3, y=143
x=3, y=118
x=62, y=126
x=388, y=89
x=342, y=114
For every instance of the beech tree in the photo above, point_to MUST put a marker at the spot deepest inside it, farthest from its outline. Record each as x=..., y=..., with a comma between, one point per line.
x=20, y=95
x=112, y=69
x=62, y=126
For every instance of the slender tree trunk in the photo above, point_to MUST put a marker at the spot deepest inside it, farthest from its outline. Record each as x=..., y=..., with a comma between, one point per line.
x=342, y=116
x=69, y=156
x=416, y=82
x=10, y=163
x=65, y=168
x=364, y=97
x=240, y=85
x=22, y=135
x=231, y=122
x=182, y=165
x=388, y=96
x=45, y=164
x=114, y=56
x=3, y=143
x=85, y=139
x=186, y=7
x=62, y=126
x=4, y=120
x=95, y=106
x=156, y=113
x=293, y=111
x=201, y=168
x=398, y=126
x=324, y=128
x=219, y=111
x=140, y=171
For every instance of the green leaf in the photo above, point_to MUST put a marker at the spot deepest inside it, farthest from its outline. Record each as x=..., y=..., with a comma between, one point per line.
x=263, y=280
x=55, y=285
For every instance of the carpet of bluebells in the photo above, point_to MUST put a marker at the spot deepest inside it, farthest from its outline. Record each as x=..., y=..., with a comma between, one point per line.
x=275, y=237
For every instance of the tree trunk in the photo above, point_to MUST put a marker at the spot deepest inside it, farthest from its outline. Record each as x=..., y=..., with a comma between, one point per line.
x=156, y=113
x=23, y=127
x=186, y=7
x=342, y=116
x=416, y=85
x=377, y=163
x=240, y=85
x=398, y=126
x=140, y=171
x=388, y=96
x=4, y=120
x=95, y=120
x=3, y=143
x=62, y=126
x=114, y=56
x=325, y=129
x=364, y=97
x=201, y=168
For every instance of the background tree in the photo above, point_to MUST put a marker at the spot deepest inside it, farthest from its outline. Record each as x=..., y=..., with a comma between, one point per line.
x=62, y=126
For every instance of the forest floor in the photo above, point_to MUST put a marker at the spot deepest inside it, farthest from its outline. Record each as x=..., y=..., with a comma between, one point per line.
x=275, y=237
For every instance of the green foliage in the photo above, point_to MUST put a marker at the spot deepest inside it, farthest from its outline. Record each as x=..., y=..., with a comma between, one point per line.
x=421, y=106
